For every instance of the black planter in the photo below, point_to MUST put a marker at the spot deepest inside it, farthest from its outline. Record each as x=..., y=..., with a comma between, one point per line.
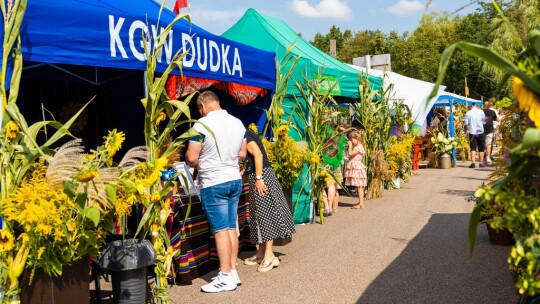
x=127, y=261
x=500, y=237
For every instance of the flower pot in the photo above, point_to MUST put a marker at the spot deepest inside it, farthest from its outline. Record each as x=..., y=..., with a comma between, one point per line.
x=501, y=237
x=445, y=161
x=127, y=261
x=72, y=285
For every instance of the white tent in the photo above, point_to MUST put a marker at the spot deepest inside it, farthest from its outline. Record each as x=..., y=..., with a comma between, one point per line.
x=412, y=92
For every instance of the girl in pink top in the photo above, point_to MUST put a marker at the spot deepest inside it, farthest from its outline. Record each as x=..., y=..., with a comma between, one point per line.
x=355, y=171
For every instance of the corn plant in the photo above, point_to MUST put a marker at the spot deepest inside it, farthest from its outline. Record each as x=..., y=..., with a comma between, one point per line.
x=373, y=112
x=159, y=108
x=19, y=147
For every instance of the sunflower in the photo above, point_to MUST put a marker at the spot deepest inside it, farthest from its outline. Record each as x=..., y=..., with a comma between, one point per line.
x=88, y=176
x=12, y=128
x=528, y=100
x=113, y=142
x=7, y=241
x=280, y=112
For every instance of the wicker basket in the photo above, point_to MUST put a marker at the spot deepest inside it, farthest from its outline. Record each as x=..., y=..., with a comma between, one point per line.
x=501, y=237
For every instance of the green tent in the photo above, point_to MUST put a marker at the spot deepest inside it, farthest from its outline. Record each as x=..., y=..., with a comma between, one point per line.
x=274, y=35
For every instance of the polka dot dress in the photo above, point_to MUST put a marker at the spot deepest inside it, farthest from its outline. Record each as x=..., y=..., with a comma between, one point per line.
x=270, y=217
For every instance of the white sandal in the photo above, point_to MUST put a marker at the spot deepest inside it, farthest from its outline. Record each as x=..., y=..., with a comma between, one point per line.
x=267, y=265
x=252, y=260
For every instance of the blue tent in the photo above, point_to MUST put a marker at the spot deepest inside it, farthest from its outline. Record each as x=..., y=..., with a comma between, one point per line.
x=448, y=100
x=109, y=33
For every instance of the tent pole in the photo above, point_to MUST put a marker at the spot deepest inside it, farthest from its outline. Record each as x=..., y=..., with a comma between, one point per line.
x=451, y=131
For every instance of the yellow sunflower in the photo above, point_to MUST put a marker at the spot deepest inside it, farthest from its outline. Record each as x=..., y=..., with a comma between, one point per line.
x=7, y=241
x=88, y=176
x=280, y=112
x=113, y=142
x=12, y=128
x=528, y=100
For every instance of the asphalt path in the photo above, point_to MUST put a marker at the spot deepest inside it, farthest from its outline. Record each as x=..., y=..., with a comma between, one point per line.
x=409, y=246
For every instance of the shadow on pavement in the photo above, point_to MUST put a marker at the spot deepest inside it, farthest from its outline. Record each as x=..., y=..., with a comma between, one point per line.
x=433, y=268
x=465, y=193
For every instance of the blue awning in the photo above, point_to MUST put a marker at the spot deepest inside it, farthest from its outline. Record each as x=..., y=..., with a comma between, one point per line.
x=109, y=33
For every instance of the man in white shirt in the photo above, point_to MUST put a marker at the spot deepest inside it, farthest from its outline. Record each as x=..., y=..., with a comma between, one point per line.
x=474, y=120
x=216, y=152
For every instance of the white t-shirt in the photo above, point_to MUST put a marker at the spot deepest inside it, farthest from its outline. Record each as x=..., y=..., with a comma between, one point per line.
x=218, y=160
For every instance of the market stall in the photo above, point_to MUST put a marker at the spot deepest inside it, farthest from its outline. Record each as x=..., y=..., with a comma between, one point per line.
x=76, y=49
x=272, y=34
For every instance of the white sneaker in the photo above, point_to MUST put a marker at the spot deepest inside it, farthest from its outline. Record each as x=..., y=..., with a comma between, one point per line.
x=488, y=161
x=222, y=282
x=235, y=277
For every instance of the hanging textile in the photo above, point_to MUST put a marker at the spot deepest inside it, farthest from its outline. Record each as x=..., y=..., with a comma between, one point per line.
x=244, y=94
x=180, y=86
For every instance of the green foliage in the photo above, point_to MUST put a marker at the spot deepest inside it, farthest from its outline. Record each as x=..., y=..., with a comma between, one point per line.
x=399, y=154
x=504, y=103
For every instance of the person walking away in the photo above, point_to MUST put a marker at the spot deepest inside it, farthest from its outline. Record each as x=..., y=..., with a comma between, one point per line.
x=474, y=121
x=271, y=217
x=355, y=170
x=216, y=152
x=489, y=130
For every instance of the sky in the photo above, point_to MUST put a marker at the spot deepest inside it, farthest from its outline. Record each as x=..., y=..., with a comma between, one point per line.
x=309, y=17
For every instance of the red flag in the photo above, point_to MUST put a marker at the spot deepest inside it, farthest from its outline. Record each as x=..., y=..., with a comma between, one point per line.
x=179, y=4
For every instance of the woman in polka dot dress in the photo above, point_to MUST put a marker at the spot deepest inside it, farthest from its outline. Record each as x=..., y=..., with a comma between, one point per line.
x=271, y=217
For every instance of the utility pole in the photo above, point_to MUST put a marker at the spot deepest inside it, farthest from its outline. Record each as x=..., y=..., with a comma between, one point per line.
x=333, y=51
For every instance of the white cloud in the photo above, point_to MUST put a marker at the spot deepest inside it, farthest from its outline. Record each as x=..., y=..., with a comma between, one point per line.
x=216, y=21
x=406, y=7
x=335, y=9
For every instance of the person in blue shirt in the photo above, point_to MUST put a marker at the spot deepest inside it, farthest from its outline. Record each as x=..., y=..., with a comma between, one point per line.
x=474, y=121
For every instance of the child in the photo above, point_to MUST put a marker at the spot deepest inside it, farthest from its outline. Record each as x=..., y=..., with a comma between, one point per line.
x=355, y=171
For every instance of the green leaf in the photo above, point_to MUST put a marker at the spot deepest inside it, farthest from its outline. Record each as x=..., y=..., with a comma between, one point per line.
x=80, y=201
x=144, y=219
x=91, y=238
x=534, y=38
x=531, y=139
x=93, y=214
x=473, y=227
x=69, y=189
x=61, y=132
x=111, y=189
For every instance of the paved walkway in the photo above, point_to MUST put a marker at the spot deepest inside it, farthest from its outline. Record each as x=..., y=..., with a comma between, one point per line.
x=410, y=246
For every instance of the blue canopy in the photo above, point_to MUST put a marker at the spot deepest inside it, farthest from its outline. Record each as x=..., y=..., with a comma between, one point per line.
x=445, y=99
x=108, y=33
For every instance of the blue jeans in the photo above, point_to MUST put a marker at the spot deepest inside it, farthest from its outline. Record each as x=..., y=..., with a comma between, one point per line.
x=220, y=203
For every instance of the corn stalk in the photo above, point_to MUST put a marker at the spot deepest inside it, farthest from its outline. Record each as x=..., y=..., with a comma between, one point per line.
x=156, y=104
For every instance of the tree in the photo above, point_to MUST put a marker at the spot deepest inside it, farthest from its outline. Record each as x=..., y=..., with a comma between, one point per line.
x=419, y=56
x=471, y=28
